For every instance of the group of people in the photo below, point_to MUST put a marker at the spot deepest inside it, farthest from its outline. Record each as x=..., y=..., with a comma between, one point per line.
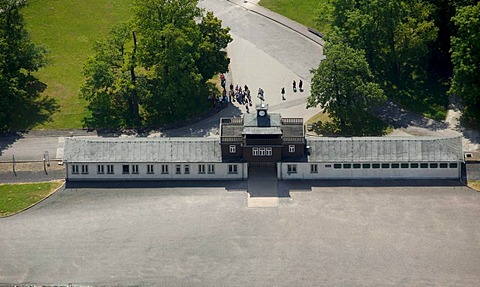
x=294, y=88
x=242, y=95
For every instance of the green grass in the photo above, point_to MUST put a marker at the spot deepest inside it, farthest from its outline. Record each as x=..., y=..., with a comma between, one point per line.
x=301, y=11
x=68, y=28
x=16, y=197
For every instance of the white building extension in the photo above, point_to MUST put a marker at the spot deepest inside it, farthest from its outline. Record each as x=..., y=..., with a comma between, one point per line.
x=97, y=159
x=378, y=157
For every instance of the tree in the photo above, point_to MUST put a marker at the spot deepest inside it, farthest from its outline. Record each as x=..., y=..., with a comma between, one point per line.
x=110, y=85
x=343, y=87
x=19, y=56
x=394, y=34
x=164, y=77
x=466, y=59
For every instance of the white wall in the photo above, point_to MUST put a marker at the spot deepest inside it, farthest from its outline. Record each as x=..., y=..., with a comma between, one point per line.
x=221, y=172
x=303, y=172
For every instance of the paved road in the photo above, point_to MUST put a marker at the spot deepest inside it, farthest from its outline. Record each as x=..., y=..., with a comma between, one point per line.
x=207, y=236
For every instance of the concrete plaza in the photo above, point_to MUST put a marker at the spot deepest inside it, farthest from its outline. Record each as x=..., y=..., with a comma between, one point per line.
x=323, y=235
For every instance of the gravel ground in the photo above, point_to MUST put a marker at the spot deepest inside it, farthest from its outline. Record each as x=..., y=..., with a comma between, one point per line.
x=31, y=172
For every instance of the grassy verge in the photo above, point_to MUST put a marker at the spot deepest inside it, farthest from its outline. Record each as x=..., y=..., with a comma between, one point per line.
x=301, y=11
x=68, y=29
x=475, y=184
x=16, y=197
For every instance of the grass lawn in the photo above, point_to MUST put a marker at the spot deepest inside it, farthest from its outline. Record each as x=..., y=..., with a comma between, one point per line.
x=68, y=29
x=16, y=197
x=301, y=11
x=475, y=184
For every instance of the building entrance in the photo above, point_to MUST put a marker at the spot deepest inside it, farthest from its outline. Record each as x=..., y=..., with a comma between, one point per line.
x=262, y=179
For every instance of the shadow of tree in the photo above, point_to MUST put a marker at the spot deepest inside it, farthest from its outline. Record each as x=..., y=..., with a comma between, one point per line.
x=370, y=126
x=33, y=109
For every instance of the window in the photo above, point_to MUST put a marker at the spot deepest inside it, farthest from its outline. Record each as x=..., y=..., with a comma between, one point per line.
x=255, y=151
x=178, y=169
x=164, y=169
x=395, y=165
x=291, y=168
x=366, y=165
x=347, y=165
x=135, y=168
x=404, y=165
x=75, y=168
x=211, y=168
x=100, y=168
x=424, y=165
x=375, y=165
x=337, y=166
x=443, y=165
x=232, y=168
x=453, y=165
x=291, y=148
x=434, y=165
x=268, y=151
x=201, y=168
x=385, y=165
x=356, y=165
x=328, y=165
x=186, y=169
x=150, y=168
x=233, y=149
x=125, y=169
x=414, y=165
x=261, y=151
x=313, y=168
x=84, y=168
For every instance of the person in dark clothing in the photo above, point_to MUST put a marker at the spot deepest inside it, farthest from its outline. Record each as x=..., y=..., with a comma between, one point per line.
x=283, y=94
x=294, y=86
x=300, y=85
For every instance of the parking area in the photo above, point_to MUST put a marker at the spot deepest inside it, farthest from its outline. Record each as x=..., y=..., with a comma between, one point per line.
x=323, y=234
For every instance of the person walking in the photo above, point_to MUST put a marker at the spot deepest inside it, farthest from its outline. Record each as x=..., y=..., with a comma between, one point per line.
x=283, y=93
x=294, y=86
x=300, y=85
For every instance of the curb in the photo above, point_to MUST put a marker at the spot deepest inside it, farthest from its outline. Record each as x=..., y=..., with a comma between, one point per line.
x=34, y=204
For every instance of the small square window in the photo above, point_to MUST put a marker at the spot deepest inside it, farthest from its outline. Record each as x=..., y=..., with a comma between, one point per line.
x=291, y=148
x=414, y=165
x=84, y=169
x=375, y=165
x=110, y=168
x=233, y=149
x=292, y=168
x=201, y=168
x=150, y=168
x=125, y=169
x=186, y=169
x=164, y=169
x=404, y=165
x=357, y=165
x=100, y=169
x=434, y=165
x=395, y=165
x=365, y=165
x=443, y=165
x=178, y=169
x=385, y=165
x=347, y=165
x=337, y=165
x=75, y=168
x=328, y=166
x=313, y=168
x=211, y=168
x=268, y=151
x=135, y=168
x=232, y=168
x=424, y=165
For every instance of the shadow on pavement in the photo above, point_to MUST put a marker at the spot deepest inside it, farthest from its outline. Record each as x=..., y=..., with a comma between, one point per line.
x=6, y=140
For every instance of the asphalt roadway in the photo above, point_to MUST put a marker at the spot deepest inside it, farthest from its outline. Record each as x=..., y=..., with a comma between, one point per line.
x=337, y=235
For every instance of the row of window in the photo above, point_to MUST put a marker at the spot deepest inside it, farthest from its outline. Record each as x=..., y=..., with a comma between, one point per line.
x=133, y=169
x=292, y=168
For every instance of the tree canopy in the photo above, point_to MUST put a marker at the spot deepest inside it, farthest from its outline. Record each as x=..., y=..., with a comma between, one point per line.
x=19, y=56
x=343, y=87
x=466, y=59
x=163, y=61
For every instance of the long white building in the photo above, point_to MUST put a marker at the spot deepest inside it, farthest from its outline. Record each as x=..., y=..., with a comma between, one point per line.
x=267, y=140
